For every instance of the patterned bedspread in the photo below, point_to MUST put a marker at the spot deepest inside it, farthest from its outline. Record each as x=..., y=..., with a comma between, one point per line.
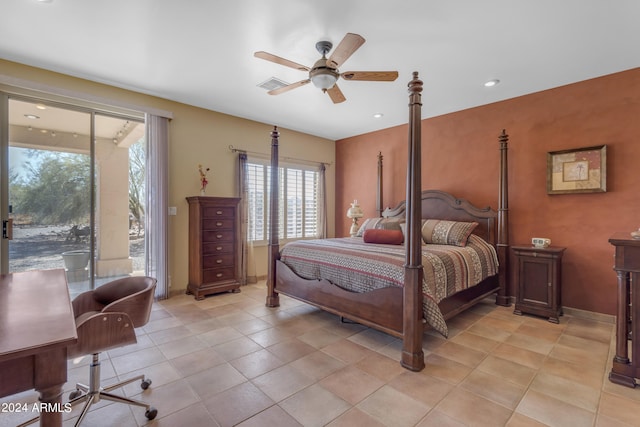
x=360, y=267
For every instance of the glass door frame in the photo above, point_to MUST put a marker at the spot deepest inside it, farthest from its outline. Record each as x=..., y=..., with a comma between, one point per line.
x=4, y=170
x=92, y=111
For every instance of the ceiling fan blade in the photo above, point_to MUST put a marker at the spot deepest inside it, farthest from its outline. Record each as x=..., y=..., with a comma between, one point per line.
x=288, y=87
x=349, y=44
x=375, y=76
x=336, y=94
x=278, y=60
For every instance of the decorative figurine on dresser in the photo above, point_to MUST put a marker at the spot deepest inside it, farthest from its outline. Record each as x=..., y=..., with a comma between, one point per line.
x=626, y=363
x=538, y=280
x=213, y=245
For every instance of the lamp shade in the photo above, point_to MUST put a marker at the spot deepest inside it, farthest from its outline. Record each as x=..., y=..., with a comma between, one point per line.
x=322, y=76
x=354, y=211
x=323, y=79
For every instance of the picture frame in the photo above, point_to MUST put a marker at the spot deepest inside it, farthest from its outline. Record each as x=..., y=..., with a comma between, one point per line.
x=578, y=170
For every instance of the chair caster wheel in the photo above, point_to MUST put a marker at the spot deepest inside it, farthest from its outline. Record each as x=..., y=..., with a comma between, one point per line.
x=75, y=394
x=145, y=385
x=151, y=413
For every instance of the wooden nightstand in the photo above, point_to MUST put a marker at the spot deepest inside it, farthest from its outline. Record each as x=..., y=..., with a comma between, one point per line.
x=539, y=281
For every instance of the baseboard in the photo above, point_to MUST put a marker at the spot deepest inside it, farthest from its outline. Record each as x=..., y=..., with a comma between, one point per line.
x=176, y=292
x=582, y=314
x=589, y=315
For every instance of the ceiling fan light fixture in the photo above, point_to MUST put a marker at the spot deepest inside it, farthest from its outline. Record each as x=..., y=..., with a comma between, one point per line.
x=321, y=76
x=324, y=79
x=324, y=74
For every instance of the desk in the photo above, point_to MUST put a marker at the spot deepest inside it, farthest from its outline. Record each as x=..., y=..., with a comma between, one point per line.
x=626, y=364
x=36, y=326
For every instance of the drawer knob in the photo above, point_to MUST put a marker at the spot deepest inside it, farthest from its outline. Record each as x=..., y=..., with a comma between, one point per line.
x=219, y=261
x=219, y=248
x=219, y=275
x=219, y=224
x=218, y=236
x=218, y=212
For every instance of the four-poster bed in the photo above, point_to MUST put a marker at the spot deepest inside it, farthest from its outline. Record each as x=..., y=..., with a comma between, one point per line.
x=399, y=310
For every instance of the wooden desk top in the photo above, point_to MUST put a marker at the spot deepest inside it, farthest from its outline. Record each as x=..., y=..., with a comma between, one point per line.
x=35, y=313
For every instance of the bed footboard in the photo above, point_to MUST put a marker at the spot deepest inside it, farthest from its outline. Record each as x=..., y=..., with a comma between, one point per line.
x=380, y=309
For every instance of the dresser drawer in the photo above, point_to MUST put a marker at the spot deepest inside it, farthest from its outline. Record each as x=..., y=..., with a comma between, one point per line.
x=217, y=236
x=217, y=274
x=218, y=260
x=218, y=212
x=217, y=248
x=218, y=224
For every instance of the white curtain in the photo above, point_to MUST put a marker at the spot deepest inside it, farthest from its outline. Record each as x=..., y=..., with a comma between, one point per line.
x=157, y=205
x=247, y=261
x=322, y=198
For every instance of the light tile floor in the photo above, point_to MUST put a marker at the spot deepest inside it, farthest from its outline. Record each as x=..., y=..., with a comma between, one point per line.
x=229, y=360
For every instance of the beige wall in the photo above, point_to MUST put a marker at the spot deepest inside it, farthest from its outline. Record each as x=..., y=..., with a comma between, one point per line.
x=198, y=136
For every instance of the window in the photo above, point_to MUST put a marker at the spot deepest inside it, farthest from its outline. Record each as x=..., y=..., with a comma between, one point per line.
x=298, y=207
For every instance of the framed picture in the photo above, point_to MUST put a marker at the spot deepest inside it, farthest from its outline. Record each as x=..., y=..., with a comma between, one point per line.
x=579, y=170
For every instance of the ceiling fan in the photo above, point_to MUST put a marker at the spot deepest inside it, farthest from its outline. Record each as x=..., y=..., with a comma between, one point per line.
x=324, y=74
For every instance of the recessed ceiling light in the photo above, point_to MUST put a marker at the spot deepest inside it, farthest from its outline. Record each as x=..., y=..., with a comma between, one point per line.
x=492, y=83
x=378, y=115
x=31, y=116
x=44, y=1
x=41, y=106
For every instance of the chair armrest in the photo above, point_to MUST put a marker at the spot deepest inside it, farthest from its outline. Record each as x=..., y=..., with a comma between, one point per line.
x=85, y=302
x=137, y=306
x=98, y=332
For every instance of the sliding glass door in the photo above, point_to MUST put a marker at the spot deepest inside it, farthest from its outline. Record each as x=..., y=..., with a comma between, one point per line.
x=72, y=191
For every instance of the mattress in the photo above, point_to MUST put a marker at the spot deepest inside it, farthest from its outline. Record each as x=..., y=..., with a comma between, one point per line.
x=356, y=266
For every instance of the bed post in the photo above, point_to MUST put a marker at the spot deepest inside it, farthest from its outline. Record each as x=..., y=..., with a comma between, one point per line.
x=273, y=299
x=412, y=354
x=503, y=298
x=379, y=206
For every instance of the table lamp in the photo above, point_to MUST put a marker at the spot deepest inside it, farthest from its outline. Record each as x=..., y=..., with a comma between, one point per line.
x=354, y=212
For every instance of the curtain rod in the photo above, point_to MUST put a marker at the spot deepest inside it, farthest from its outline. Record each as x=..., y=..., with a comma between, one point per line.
x=266, y=156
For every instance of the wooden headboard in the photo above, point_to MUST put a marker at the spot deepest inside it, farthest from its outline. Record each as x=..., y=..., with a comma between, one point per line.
x=438, y=204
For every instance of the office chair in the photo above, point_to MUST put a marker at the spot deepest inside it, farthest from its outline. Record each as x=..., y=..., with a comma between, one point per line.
x=105, y=319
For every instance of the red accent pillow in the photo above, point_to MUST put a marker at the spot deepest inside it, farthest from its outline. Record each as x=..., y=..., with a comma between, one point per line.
x=386, y=237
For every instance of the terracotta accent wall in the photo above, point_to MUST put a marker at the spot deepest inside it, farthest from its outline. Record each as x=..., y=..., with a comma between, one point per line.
x=460, y=155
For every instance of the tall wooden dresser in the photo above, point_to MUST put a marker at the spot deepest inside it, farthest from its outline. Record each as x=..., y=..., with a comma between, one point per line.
x=626, y=363
x=214, y=235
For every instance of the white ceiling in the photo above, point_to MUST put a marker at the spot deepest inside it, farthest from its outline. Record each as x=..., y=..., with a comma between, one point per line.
x=200, y=52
